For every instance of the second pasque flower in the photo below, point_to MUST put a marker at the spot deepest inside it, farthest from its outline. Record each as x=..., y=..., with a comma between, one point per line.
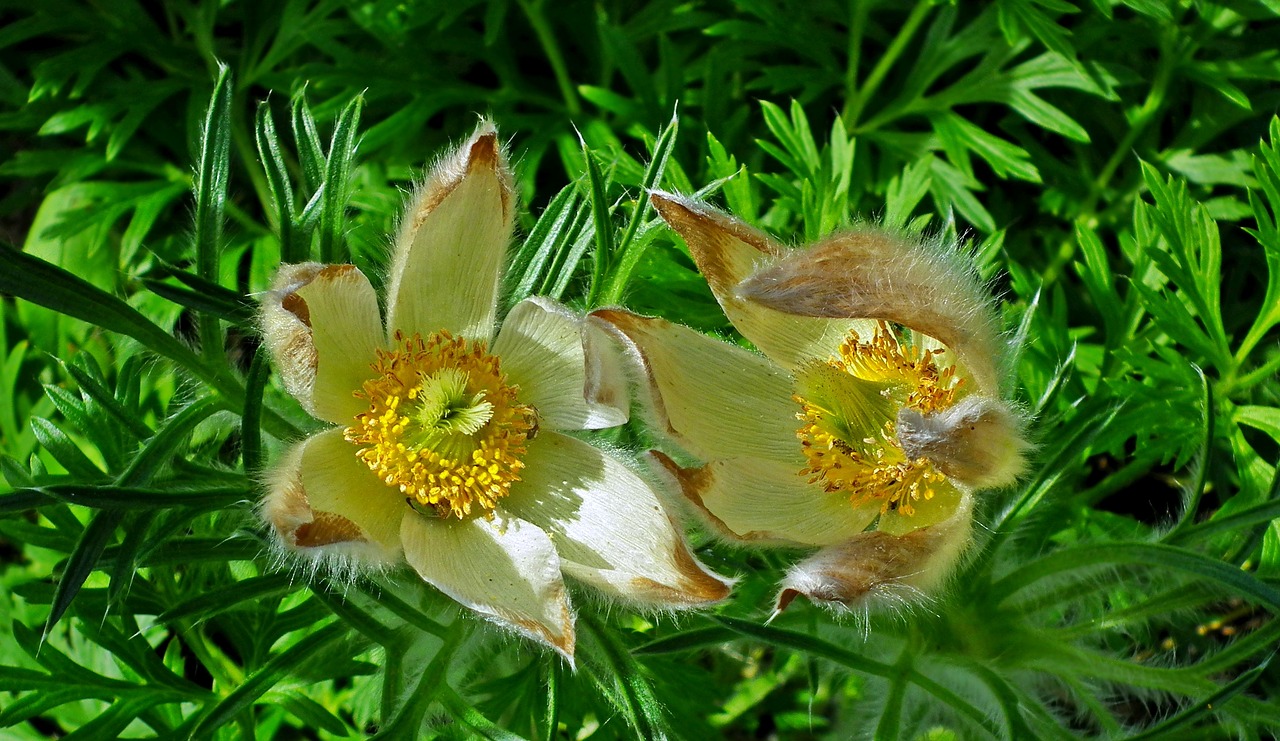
x=873, y=415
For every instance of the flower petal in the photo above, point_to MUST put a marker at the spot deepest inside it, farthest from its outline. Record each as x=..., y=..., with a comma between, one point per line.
x=977, y=442
x=608, y=526
x=321, y=325
x=575, y=382
x=760, y=502
x=715, y=399
x=318, y=512
x=503, y=568
x=927, y=285
x=879, y=569
x=339, y=482
x=452, y=244
x=727, y=252
x=942, y=506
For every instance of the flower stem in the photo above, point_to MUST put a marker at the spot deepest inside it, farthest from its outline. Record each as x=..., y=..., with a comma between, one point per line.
x=547, y=38
x=857, y=101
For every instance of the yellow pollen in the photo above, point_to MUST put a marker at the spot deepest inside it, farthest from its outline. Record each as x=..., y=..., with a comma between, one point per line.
x=884, y=358
x=874, y=467
x=443, y=426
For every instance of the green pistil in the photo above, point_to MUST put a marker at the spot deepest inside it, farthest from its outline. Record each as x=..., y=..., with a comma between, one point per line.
x=852, y=409
x=447, y=416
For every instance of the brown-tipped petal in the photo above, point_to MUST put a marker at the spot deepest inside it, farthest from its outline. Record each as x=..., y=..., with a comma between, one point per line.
x=877, y=569
x=977, y=442
x=562, y=368
x=306, y=525
x=452, y=243
x=609, y=527
x=339, y=482
x=321, y=325
x=727, y=252
x=757, y=502
x=874, y=274
x=503, y=568
x=716, y=400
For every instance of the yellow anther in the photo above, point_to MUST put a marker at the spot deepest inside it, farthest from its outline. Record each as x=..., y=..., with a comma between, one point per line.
x=874, y=467
x=443, y=426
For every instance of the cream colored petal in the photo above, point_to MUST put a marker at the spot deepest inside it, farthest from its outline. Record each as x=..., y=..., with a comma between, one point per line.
x=977, y=442
x=321, y=512
x=505, y=569
x=452, y=244
x=727, y=252
x=717, y=400
x=546, y=350
x=877, y=569
x=942, y=506
x=760, y=502
x=339, y=482
x=927, y=285
x=321, y=325
x=608, y=526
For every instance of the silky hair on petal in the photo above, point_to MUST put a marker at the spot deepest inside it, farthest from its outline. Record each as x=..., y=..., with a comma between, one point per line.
x=927, y=285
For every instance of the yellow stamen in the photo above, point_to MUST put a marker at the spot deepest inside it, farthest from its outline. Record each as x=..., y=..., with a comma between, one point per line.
x=443, y=424
x=874, y=467
x=928, y=388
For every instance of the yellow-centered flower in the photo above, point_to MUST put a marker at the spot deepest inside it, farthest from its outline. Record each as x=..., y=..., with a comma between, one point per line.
x=447, y=448
x=873, y=415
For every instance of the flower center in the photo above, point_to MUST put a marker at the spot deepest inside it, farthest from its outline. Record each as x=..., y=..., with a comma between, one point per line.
x=443, y=424
x=848, y=408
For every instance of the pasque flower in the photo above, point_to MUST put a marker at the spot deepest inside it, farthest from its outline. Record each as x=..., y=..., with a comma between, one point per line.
x=866, y=424
x=447, y=448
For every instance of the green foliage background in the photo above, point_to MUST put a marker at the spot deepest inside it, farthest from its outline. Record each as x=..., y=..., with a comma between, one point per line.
x=1115, y=165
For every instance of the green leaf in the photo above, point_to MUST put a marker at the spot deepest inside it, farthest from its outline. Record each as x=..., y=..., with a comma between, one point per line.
x=262, y=680
x=620, y=678
x=959, y=136
x=1110, y=555
x=607, y=100
x=1266, y=167
x=481, y=726
x=337, y=183
x=82, y=562
x=816, y=647
x=42, y=700
x=601, y=217
x=629, y=248
x=310, y=151
x=688, y=640
x=131, y=497
x=951, y=188
x=737, y=184
x=210, y=188
x=1041, y=113
x=92, y=383
x=292, y=250
x=251, y=415
x=238, y=312
x=1206, y=707
x=1262, y=418
x=163, y=446
x=1157, y=9
x=50, y=286
x=312, y=714
x=1099, y=280
x=21, y=500
x=109, y=724
x=206, y=606
x=64, y=449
